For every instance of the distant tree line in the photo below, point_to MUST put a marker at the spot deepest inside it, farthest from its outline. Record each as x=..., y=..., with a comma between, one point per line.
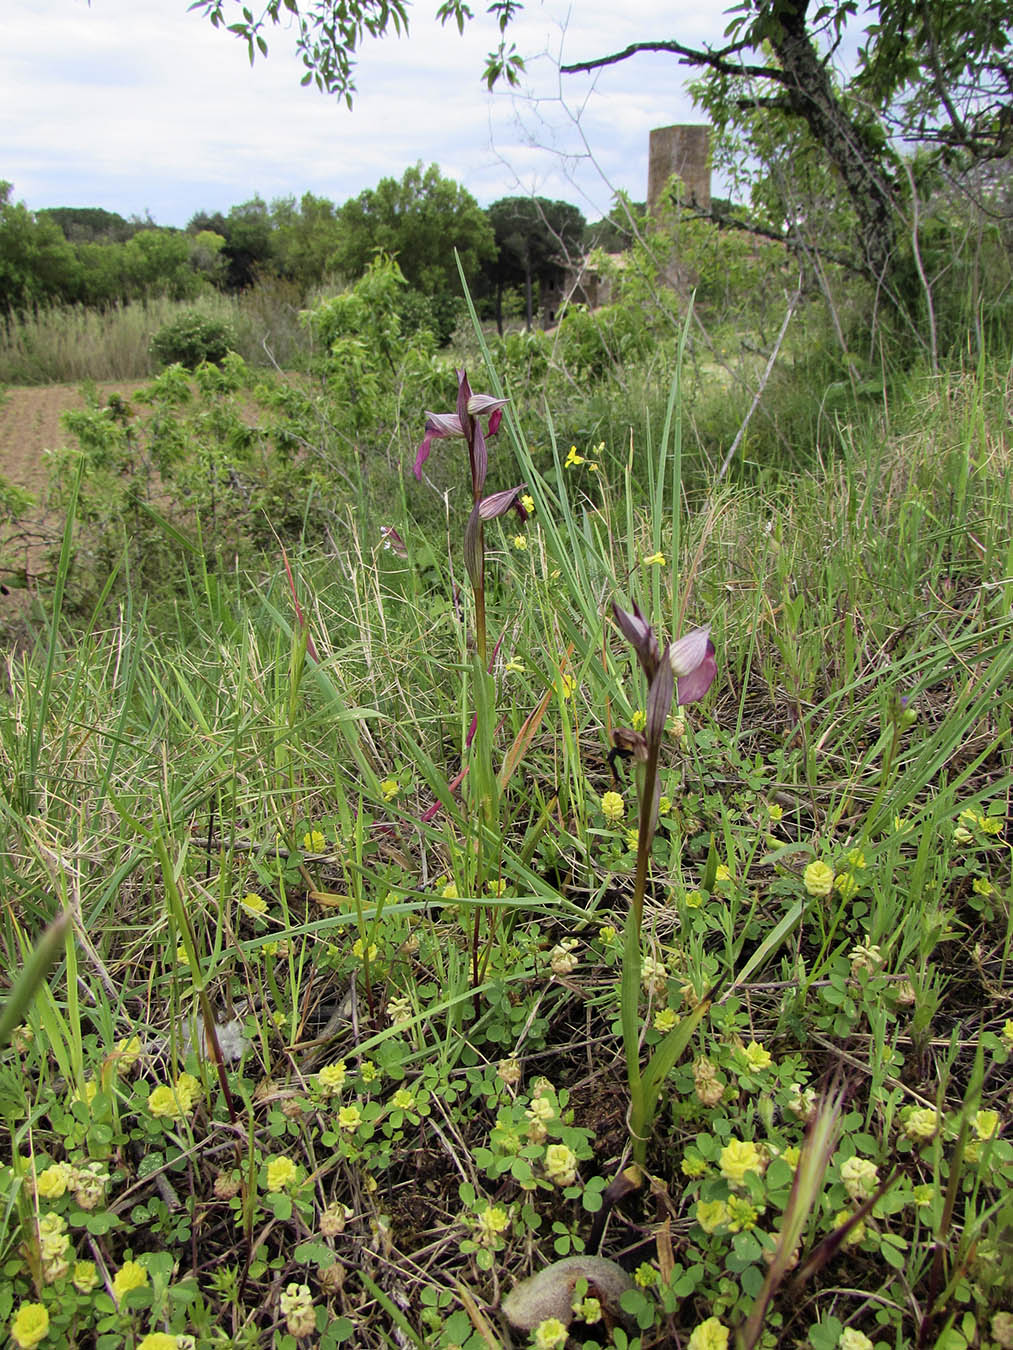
x=509, y=252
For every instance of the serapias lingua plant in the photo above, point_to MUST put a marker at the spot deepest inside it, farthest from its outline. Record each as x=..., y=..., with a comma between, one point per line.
x=465, y=423
x=685, y=670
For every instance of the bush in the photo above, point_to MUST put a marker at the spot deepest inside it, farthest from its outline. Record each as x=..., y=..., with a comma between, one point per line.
x=193, y=337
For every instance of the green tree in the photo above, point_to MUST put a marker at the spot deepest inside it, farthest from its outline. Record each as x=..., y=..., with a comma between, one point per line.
x=36, y=262
x=536, y=240
x=420, y=219
x=305, y=238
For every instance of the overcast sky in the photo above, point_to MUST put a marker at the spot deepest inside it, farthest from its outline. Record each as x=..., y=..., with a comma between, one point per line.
x=140, y=106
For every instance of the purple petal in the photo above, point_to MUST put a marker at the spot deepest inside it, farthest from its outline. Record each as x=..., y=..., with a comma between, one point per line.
x=640, y=635
x=479, y=461
x=442, y=425
x=499, y=503
x=494, y=421
x=422, y=454
x=393, y=540
x=485, y=403
x=463, y=395
x=693, y=686
x=686, y=654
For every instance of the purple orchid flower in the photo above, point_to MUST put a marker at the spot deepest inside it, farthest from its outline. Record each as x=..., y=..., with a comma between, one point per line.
x=464, y=422
x=693, y=664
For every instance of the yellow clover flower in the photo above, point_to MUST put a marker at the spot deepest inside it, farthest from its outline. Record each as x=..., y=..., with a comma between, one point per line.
x=313, y=841
x=655, y=560
x=560, y=1165
x=332, y=1076
x=390, y=787
x=85, y=1276
x=253, y=903
x=131, y=1275
x=986, y=1124
x=30, y=1325
x=549, y=1334
x=711, y=1214
x=756, y=1056
x=818, y=878
x=158, y=1340
x=738, y=1157
x=613, y=808
x=281, y=1172
x=709, y=1335
x=53, y=1182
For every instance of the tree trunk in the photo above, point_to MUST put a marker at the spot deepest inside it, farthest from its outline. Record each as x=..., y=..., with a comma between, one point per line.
x=811, y=96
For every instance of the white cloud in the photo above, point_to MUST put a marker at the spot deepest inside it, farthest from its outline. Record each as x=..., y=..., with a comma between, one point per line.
x=140, y=105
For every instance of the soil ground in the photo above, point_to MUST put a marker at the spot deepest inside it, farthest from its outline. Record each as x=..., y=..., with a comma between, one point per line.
x=30, y=425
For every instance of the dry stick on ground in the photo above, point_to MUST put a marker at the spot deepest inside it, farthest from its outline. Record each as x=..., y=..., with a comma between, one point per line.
x=792, y=306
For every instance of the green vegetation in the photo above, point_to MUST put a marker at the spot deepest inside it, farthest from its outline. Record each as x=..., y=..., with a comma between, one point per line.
x=517, y=855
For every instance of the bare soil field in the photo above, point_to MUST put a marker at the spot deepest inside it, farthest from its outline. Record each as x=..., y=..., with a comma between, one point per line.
x=30, y=425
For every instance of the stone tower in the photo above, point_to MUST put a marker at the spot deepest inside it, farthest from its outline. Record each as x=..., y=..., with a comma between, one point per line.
x=683, y=150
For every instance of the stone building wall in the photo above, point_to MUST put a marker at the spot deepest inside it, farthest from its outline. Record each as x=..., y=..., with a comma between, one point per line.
x=684, y=150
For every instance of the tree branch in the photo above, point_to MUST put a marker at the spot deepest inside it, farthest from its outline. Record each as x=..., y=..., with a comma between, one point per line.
x=691, y=56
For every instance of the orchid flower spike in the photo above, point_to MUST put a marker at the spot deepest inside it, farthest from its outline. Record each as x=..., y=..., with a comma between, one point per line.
x=463, y=422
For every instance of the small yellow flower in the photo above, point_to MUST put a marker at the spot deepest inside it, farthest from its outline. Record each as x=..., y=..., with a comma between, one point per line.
x=520, y=542
x=639, y=720
x=1007, y=1031
x=368, y=1071
x=853, y=1339
x=549, y=1334
x=349, y=1117
x=85, y=1276
x=562, y=958
x=573, y=459
x=922, y=1123
x=162, y=1103
x=818, y=878
x=756, y=1056
x=846, y=885
x=53, y=1182
x=709, y=1335
x=633, y=840
x=922, y=1196
x=775, y=812
x=694, y=899
x=254, y=903
x=738, y=1157
x=608, y=933
x=131, y=1275
x=693, y=1166
x=655, y=560
x=390, y=788
x=403, y=1100
x=490, y=1224
x=281, y=1172
x=982, y=886
x=182, y=955
x=567, y=685
x=297, y=1308
x=30, y=1325
x=313, y=841
x=860, y=1178
x=127, y=1052
x=560, y=1165
x=856, y=1234
x=986, y=1124
x=711, y=1215
x=188, y=1092
x=722, y=873
x=992, y=825
x=331, y=1077
x=363, y=953
x=665, y=1020
x=158, y=1340
x=528, y=502
x=613, y=808
x=496, y=888
x=449, y=892
x=399, y=1011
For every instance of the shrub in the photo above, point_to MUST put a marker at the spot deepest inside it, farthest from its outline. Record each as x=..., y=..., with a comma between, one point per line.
x=191, y=338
